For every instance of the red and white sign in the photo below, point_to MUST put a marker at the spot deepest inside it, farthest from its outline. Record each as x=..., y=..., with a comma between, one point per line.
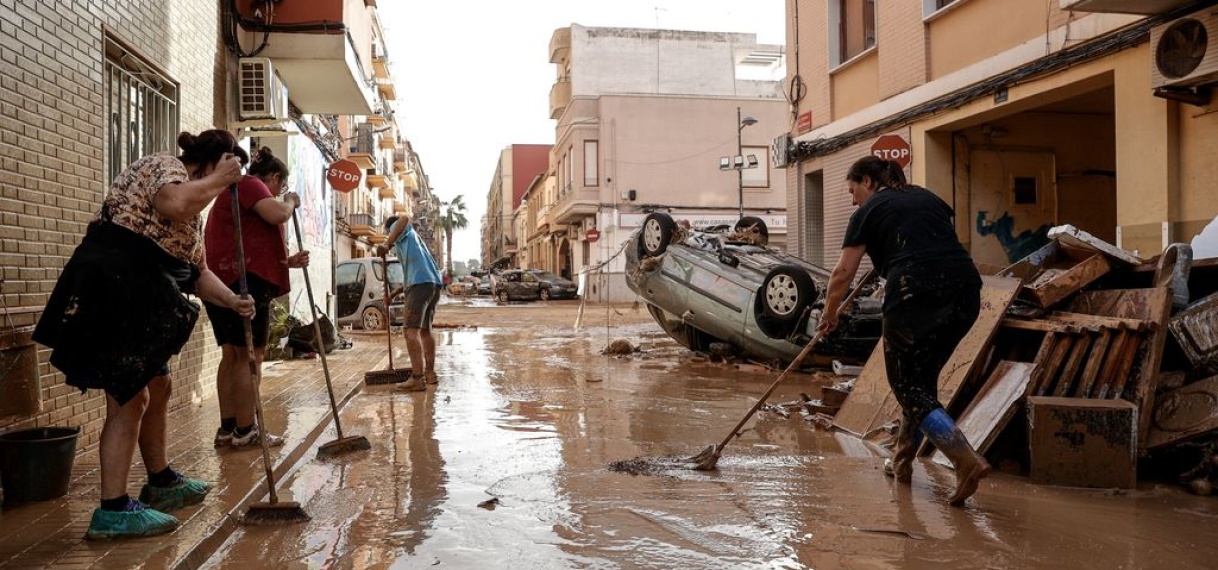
x=804, y=123
x=343, y=175
x=892, y=147
x=592, y=235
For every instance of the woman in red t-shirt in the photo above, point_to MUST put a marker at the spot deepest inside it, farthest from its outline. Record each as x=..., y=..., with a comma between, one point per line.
x=266, y=265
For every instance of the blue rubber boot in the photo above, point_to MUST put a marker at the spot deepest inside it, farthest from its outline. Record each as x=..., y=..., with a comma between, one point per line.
x=136, y=521
x=970, y=466
x=184, y=493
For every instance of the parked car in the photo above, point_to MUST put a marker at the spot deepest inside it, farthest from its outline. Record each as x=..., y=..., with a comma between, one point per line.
x=517, y=285
x=703, y=287
x=484, y=285
x=554, y=286
x=361, y=293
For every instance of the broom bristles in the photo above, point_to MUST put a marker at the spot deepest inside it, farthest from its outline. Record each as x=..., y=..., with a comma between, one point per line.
x=392, y=376
x=287, y=512
x=348, y=444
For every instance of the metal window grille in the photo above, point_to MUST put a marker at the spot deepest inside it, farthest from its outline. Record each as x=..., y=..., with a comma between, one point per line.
x=141, y=109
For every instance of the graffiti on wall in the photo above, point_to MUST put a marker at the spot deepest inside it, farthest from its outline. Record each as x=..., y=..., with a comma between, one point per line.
x=308, y=181
x=1016, y=247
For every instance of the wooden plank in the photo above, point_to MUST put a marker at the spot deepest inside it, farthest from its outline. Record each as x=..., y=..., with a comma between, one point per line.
x=1040, y=361
x=1092, y=370
x=996, y=295
x=1070, y=371
x=867, y=396
x=1085, y=320
x=1053, y=364
x=1108, y=369
x=1038, y=325
x=1184, y=413
x=994, y=406
x=1071, y=236
x=1152, y=304
x=1053, y=290
x=1124, y=368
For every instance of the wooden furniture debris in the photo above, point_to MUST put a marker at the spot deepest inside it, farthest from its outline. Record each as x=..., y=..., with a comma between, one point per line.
x=1071, y=236
x=993, y=407
x=871, y=403
x=1196, y=329
x=1083, y=356
x=1140, y=354
x=1083, y=443
x=1184, y=413
x=1055, y=271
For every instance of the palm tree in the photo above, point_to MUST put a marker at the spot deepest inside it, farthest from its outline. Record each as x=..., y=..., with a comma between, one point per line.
x=453, y=219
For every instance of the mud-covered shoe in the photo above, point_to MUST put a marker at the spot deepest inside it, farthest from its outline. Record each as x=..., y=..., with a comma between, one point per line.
x=414, y=384
x=224, y=438
x=430, y=377
x=183, y=493
x=136, y=521
x=254, y=438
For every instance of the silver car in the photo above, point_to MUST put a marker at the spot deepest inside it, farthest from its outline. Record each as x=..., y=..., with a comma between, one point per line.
x=703, y=287
x=360, y=284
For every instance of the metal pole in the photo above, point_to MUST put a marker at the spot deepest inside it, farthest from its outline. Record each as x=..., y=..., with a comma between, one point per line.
x=739, y=167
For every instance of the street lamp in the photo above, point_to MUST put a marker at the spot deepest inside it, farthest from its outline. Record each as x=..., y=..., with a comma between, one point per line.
x=738, y=162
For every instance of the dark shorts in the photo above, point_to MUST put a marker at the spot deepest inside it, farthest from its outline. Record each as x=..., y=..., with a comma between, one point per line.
x=421, y=301
x=227, y=325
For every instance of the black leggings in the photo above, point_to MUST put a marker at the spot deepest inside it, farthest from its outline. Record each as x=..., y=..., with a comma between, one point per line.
x=920, y=334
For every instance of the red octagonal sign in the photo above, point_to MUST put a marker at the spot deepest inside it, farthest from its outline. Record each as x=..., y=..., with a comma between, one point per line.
x=892, y=147
x=343, y=175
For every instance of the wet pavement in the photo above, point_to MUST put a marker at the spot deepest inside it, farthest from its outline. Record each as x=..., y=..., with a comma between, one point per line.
x=504, y=464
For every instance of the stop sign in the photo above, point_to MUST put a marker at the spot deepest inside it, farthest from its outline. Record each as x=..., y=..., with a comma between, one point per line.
x=343, y=175
x=892, y=147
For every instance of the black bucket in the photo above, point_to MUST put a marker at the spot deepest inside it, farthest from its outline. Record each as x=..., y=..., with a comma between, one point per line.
x=36, y=464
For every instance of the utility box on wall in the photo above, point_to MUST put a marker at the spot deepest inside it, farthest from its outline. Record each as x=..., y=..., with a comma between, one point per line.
x=1077, y=442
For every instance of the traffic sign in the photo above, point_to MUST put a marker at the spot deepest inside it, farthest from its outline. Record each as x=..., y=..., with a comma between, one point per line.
x=592, y=235
x=343, y=175
x=892, y=147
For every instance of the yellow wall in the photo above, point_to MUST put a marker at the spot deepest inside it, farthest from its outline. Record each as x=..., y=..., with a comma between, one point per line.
x=1198, y=203
x=976, y=30
x=856, y=86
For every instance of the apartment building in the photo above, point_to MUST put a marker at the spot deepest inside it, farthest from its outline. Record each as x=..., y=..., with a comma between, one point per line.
x=86, y=88
x=657, y=120
x=1021, y=115
x=518, y=165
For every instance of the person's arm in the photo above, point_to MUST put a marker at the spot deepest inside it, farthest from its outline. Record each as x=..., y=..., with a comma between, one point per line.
x=211, y=289
x=395, y=232
x=181, y=201
x=839, y=284
x=277, y=212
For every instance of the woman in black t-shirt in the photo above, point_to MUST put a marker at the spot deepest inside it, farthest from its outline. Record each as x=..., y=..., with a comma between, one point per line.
x=932, y=297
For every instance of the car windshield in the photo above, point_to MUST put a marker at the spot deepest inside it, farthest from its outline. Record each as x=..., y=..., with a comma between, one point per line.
x=395, y=272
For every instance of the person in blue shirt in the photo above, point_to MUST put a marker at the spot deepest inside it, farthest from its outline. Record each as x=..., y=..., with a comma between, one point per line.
x=421, y=283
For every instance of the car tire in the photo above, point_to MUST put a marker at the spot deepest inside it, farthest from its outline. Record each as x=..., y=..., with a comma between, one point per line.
x=749, y=221
x=656, y=234
x=544, y=294
x=372, y=319
x=785, y=293
x=502, y=296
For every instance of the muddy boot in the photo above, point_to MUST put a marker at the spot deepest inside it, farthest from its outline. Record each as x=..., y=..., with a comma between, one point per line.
x=970, y=466
x=900, y=466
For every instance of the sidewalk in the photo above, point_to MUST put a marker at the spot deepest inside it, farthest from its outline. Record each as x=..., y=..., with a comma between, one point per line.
x=50, y=534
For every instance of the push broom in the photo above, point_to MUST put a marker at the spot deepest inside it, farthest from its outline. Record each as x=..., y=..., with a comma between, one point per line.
x=389, y=376
x=273, y=511
x=341, y=445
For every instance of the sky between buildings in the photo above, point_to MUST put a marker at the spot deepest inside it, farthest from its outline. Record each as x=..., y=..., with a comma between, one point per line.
x=474, y=77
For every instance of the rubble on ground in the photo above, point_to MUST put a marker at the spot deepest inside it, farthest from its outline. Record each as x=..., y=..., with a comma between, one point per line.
x=1087, y=366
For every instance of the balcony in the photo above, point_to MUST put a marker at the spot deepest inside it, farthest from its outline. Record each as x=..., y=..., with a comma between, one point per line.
x=377, y=181
x=560, y=97
x=560, y=45
x=363, y=147
x=399, y=160
x=388, y=142
x=573, y=206
x=386, y=89
x=361, y=225
x=338, y=32
x=1143, y=7
x=400, y=207
x=387, y=193
x=380, y=62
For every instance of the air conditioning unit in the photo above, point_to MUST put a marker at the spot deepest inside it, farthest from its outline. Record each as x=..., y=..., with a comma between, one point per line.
x=262, y=94
x=1184, y=52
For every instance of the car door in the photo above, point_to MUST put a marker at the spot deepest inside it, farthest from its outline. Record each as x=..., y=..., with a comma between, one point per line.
x=349, y=280
x=530, y=287
x=719, y=296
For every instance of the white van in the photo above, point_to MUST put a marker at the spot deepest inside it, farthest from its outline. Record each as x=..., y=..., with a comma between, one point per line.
x=361, y=293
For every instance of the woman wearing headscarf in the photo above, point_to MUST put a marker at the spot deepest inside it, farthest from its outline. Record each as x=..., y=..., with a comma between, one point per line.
x=118, y=313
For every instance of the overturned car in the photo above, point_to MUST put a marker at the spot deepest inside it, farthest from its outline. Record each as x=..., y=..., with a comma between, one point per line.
x=704, y=287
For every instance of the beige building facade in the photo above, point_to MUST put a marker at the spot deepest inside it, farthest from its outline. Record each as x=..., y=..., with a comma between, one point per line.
x=1020, y=115
x=643, y=120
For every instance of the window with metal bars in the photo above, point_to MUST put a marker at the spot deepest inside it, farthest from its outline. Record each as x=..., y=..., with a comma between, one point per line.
x=141, y=108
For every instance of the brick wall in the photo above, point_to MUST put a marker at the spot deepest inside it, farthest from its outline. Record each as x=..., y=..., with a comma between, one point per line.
x=51, y=157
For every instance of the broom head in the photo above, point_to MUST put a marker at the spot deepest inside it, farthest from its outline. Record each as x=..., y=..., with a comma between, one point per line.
x=285, y=512
x=349, y=444
x=391, y=376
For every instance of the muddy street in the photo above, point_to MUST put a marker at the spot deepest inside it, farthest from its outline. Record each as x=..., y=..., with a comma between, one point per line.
x=504, y=464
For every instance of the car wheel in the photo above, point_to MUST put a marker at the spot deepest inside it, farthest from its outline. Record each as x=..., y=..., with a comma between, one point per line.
x=786, y=291
x=656, y=234
x=545, y=294
x=748, y=223
x=373, y=319
x=503, y=297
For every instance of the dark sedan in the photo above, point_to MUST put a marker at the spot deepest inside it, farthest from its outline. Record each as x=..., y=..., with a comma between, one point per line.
x=554, y=286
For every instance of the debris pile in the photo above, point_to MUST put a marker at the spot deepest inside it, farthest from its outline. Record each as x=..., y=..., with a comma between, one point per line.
x=1086, y=363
